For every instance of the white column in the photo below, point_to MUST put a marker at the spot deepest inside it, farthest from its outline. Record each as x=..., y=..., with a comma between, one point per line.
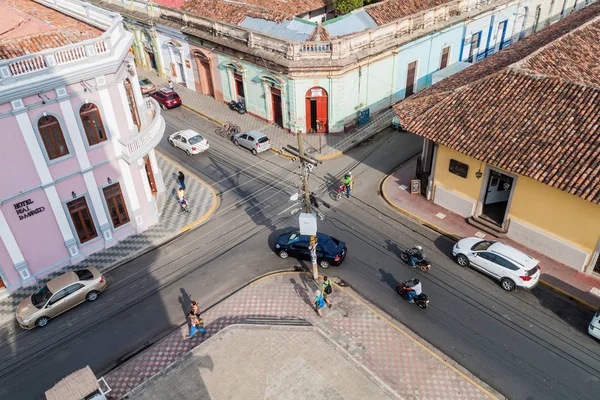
x=33, y=146
x=13, y=250
x=61, y=219
x=84, y=164
x=115, y=134
x=144, y=175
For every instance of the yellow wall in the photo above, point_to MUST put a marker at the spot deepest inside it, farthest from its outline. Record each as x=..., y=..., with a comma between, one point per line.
x=468, y=187
x=558, y=213
x=544, y=207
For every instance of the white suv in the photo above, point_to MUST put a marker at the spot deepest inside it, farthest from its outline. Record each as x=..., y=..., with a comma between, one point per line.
x=594, y=328
x=512, y=267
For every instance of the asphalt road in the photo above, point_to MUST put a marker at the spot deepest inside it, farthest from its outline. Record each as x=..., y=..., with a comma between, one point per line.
x=526, y=345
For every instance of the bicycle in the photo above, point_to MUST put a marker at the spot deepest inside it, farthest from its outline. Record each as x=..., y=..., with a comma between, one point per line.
x=228, y=130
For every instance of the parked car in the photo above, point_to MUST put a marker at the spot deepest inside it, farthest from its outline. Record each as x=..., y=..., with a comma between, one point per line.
x=330, y=251
x=255, y=141
x=147, y=86
x=189, y=141
x=167, y=98
x=594, y=328
x=513, y=268
x=59, y=295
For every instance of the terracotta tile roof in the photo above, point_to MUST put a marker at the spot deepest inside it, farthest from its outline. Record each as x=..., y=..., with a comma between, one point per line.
x=235, y=11
x=391, y=10
x=319, y=34
x=531, y=109
x=29, y=27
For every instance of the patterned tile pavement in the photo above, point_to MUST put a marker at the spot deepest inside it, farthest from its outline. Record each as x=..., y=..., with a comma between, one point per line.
x=286, y=298
x=315, y=145
x=172, y=220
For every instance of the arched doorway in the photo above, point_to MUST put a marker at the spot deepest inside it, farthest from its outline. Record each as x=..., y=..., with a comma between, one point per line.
x=132, y=103
x=317, y=110
x=147, y=43
x=204, y=83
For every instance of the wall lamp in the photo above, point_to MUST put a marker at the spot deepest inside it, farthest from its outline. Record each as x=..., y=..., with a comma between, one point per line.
x=109, y=180
x=479, y=174
x=42, y=98
x=74, y=195
x=86, y=87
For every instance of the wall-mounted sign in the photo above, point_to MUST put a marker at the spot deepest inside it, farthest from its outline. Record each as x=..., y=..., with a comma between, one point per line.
x=25, y=209
x=458, y=168
x=316, y=92
x=187, y=64
x=415, y=186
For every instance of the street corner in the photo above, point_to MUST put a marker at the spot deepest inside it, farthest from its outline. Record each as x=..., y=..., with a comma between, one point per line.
x=201, y=197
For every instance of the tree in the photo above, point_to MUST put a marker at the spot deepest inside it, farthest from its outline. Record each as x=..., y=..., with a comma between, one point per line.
x=345, y=6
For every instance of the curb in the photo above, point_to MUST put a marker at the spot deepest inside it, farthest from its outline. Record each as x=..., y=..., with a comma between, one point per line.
x=212, y=208
x=456, y=238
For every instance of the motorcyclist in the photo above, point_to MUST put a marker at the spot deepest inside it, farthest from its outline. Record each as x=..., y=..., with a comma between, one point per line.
x=182, y=199
x=415, y=289
x=415, y=255
x=348, y=181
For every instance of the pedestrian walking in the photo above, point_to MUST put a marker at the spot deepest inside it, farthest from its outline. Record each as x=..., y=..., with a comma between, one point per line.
x=171, y=85
x=181, y=180
x=195, y=309
x=196, y=324
x=319, y=302
x=327, y=288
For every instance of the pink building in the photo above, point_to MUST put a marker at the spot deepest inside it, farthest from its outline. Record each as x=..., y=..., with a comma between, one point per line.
x=78, y=170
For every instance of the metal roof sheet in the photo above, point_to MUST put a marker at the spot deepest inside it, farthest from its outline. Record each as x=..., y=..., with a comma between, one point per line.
x=356, y=21
x=296, y=29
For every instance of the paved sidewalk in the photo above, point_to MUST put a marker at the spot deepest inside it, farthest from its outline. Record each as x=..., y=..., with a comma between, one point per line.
x=366, y=335
x=172, y=222
x=320, y=146
x=395, y=190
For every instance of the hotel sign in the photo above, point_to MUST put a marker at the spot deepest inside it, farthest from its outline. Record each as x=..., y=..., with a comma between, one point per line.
x=26, y=209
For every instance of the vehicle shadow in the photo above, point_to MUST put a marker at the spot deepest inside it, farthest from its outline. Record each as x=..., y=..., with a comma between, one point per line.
x=388, y=278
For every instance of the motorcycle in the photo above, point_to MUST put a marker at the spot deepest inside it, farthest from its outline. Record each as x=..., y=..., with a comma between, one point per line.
x=421, y=300
x=424, y=265
x=237, y=106
x=340, y=192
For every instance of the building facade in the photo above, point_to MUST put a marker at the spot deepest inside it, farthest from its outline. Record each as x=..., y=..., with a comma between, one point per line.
x=78, y=171
x=325, y=77
x=512, y=142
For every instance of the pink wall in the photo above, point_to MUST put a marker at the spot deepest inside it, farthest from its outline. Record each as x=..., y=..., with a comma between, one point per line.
x=120, y=110
x=22, y=174
x=5, y=107
x=64, y=167
x=73, y=184
x=102, y=153
x=40, y=247
x=11, y=277
x=110, y=170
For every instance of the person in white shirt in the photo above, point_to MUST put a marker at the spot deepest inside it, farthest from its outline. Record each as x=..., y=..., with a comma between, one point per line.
x=415, y=285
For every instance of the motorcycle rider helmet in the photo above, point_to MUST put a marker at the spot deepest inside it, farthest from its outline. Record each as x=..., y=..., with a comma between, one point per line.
x=419, y=247
x=347, y=176
x=416, y=281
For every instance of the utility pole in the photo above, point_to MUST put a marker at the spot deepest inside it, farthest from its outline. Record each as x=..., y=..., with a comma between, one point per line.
x=307, y=208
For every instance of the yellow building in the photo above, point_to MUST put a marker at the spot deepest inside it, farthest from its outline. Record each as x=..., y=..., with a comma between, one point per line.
x=513, y=142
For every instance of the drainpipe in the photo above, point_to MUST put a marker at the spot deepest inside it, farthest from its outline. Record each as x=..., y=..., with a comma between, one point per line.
x=393, y=92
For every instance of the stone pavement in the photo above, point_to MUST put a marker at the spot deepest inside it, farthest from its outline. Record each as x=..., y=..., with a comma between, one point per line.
x=320, y=146
x=368, y=337
x=265, y=362
x=395, y=190
x=172, y=222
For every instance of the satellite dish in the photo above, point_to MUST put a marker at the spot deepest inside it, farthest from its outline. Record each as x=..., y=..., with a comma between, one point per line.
x=294, y=197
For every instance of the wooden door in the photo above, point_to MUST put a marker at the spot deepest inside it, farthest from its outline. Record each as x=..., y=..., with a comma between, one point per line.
x=317, y=110
x=150, y=175
x=410, y=78
x=322, y=114
x=207, y=78
x=276, y=106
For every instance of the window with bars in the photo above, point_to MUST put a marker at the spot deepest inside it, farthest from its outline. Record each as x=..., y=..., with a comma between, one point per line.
x=82, y=219
x=239, y=85
x=116, y=205
x=92, y=123
x=52, y=137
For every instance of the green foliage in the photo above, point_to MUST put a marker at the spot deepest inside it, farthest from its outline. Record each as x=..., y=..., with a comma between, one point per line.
x=345, y=6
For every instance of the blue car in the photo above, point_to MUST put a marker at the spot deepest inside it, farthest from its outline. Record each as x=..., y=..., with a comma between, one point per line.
x=330, y=251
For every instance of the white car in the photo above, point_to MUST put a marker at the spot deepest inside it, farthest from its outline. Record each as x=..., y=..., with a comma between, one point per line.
x=255, y=141
x=513, y=268
x=594, y=328
x=189, y=141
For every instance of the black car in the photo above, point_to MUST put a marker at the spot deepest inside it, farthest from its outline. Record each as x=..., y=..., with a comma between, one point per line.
x=330, y=251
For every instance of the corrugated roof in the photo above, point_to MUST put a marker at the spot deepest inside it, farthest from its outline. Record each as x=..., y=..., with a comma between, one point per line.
x=356, y=21
x=296, y=29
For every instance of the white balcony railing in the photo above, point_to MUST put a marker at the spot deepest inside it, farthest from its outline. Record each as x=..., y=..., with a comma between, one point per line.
x=149, y=136
x=41, y=62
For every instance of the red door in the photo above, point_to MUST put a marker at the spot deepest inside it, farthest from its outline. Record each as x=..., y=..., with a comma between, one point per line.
x=276, y=106
x=317, y=110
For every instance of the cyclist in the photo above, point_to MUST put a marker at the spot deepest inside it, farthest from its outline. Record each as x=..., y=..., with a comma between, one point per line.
x=348, y=182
